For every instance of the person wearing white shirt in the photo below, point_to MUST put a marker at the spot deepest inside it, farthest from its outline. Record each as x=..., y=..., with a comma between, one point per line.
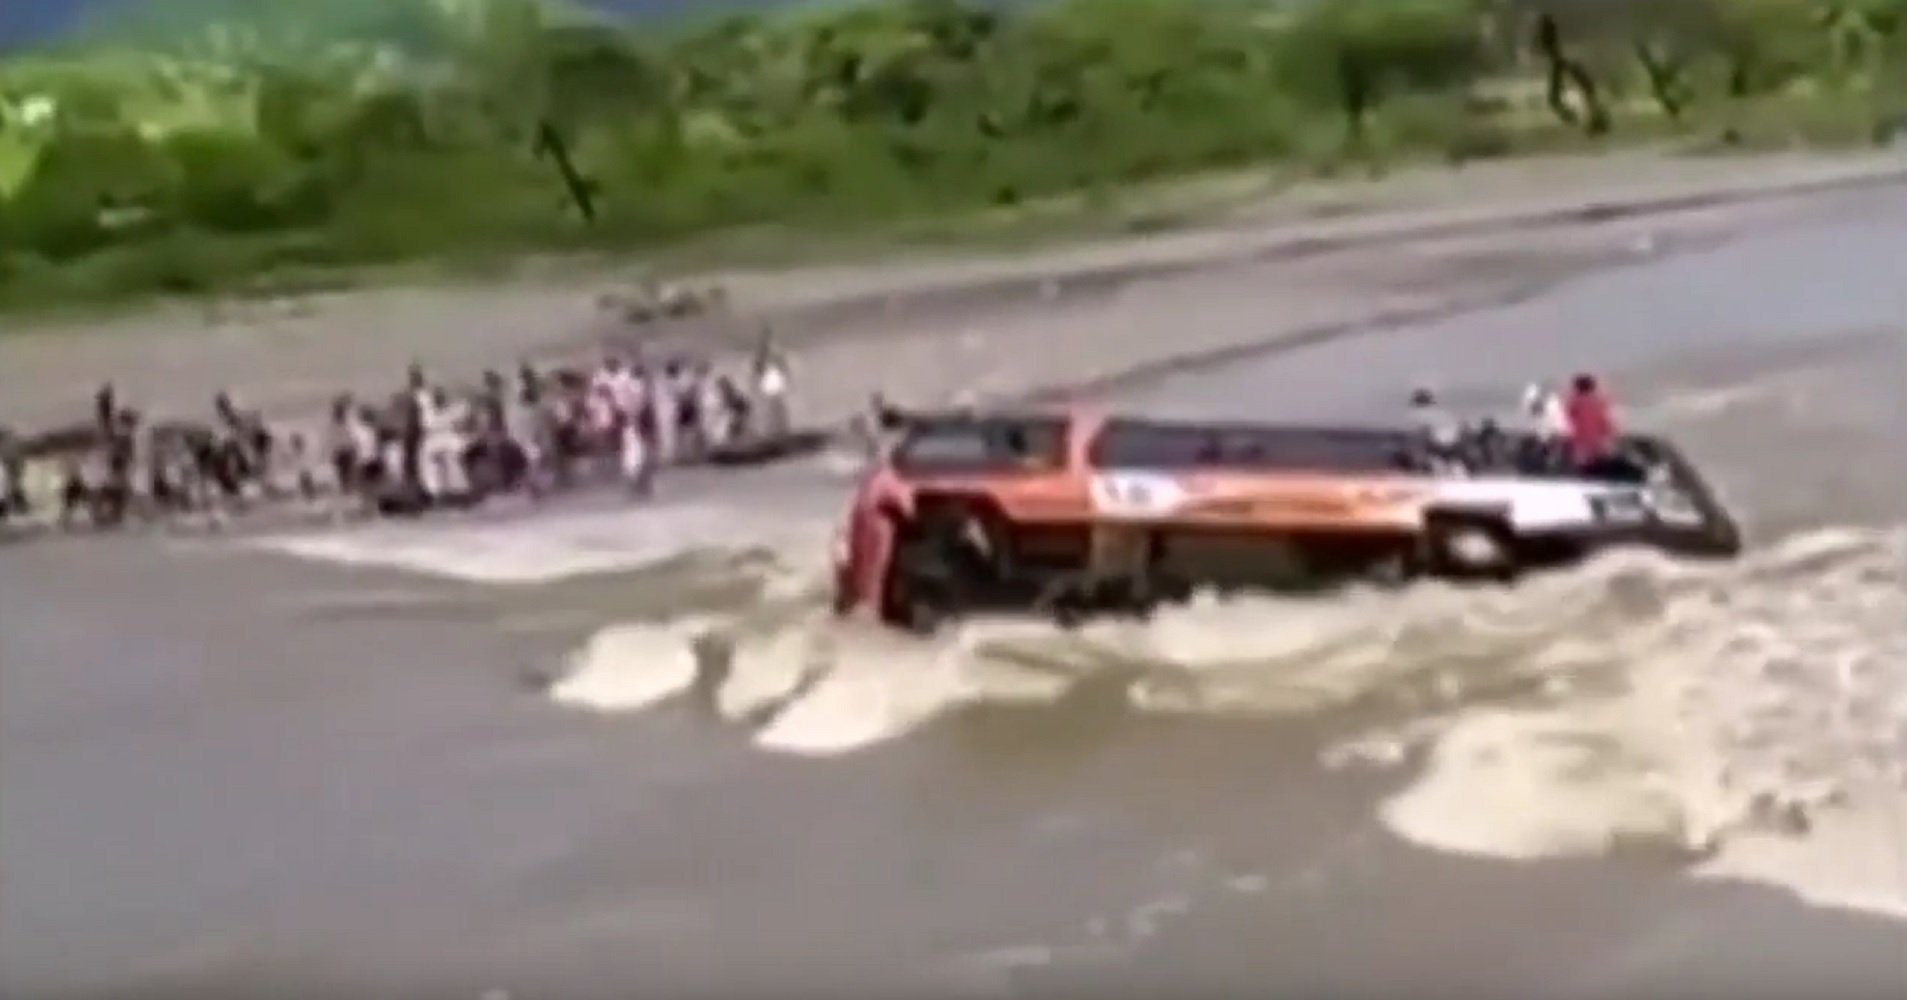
x=600, y=399
x=771, y=392
x=1440, y=435
x=441, y=465
x=352, y=445
x=629, y=395
x=525, y=420
x=665, y=414
x=1545, y=413
x=711, y=408
x=1547, y=417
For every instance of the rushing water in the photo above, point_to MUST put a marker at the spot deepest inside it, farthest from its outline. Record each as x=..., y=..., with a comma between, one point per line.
x=283, y=773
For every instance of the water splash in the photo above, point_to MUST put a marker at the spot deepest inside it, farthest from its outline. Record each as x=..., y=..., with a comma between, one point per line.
x=1751, y=714
x=1757, y=706
x=1632, y=702
x=1656, y=636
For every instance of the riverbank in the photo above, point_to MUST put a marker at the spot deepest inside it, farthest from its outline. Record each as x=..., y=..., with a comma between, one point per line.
x=926, y=326
x=502, y=128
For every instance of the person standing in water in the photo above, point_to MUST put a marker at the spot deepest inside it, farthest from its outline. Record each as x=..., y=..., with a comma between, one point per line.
x=527, y=422
x=634, y=451
x=711, y=407
x=355, y=460
x=442, y=458
x=771, y=384
x=105, y=407
x=13, y=491
x=406, y=458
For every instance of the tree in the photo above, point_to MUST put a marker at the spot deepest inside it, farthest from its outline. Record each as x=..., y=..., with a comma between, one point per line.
x=1764, y=44
x=91, y=186
x=1356, y=53
x=1667, y=38
x=595, y=72
x=299, y=112
x=1566, y=73
x=238, y=181
x=551, y=145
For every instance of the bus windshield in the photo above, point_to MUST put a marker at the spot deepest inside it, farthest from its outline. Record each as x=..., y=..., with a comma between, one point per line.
x=981, y=445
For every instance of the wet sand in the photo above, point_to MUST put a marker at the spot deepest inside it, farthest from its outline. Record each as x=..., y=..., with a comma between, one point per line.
x=226, y=768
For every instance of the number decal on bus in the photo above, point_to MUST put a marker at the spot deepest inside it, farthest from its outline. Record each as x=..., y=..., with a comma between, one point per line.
x=1135, y=493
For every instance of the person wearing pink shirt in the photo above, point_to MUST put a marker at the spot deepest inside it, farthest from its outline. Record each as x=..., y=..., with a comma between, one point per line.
x=1592, y=423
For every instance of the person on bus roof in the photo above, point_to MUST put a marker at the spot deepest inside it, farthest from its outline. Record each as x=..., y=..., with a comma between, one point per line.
x=1544, y=413
x=1440, y=435
x=1592, y=422
x=1436, y=424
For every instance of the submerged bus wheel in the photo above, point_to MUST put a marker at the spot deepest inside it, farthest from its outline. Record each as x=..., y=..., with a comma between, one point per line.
x=906, y=604
x=1474, y=548
x=1471, y=546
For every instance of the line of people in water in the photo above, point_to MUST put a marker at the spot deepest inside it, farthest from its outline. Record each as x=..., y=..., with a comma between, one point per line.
x=626, y=418
x=424, y=447
x=1560, y=432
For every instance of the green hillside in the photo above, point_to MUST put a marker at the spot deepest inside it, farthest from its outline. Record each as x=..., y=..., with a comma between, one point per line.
x=207, y=147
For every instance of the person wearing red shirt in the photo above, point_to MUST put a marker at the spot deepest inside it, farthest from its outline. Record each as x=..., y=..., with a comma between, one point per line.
x=1592, y=422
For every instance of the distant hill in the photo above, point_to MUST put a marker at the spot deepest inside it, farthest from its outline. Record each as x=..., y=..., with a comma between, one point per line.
x=26, y=23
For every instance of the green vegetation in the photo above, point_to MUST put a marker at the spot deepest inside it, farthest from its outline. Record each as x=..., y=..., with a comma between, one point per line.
x=271, y=150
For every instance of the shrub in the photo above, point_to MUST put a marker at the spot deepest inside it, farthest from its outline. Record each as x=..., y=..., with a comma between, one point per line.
x=92, y=187
x=236, y=181
x=845, y=115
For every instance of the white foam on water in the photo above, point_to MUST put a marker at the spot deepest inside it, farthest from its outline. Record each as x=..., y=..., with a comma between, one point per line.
x=552, y=547
x=1760, y=715
x=1634, y=700
x=815, y=685
x=769, y=662
x=1486, y=778
x=633, y=666
x=858, y=684
x=858, y=703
